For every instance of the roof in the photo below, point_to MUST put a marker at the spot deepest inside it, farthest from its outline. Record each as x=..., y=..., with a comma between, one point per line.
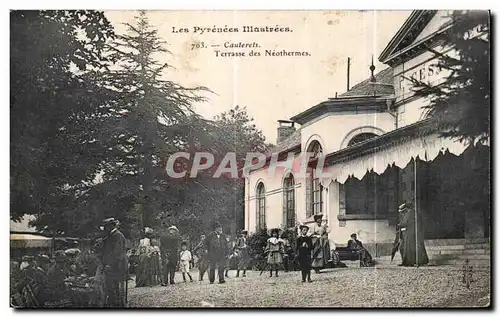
x=292, y=141
x=408, y=32
x=23, y=225
x=383, y=85
x=364, y=96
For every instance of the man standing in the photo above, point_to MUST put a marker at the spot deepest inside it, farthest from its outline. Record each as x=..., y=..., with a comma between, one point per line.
x=216, y=245
x=169, y=250
x=413, y=247
x=114, y=260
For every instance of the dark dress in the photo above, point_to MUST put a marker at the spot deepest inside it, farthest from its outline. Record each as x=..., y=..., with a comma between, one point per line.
x=217, y=248
x=365, y=258
x=304, y=250
x=409, y=244
x=241, y=248
x=114, y=260
x=201, y=253
x=169, y=250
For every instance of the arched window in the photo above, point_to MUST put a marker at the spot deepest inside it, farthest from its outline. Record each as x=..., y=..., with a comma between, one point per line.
x=289, y=201
x=261, y=206
x=361, y=138
x=314, y=188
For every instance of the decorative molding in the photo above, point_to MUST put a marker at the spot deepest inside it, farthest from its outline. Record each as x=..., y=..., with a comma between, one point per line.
x=354, y=132
x=362, y=217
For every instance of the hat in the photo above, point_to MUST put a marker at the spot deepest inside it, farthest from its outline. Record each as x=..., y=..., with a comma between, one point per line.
x=43, y=258
x=244, y=232
x=303, y=226
x=353, y=235
x=275, y=230
x=148, y=230
x=27, y=258
x=217, y=225
x=316, y=217
x=72, y=252
x=60, y=256
x=172, y=228
x=109, y=221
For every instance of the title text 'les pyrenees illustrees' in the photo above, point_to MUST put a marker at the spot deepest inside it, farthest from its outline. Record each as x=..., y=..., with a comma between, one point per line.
x=226, y=29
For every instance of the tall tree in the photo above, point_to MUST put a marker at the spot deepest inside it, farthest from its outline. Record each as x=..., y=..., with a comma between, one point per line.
x=153, y=118
x=241, y=136
x=53, y=102
x=462, y=103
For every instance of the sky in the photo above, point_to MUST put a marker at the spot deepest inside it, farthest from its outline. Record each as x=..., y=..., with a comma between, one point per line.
x=270, y=87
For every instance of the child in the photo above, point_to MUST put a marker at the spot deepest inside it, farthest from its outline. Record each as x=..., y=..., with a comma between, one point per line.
x=275, y=251
x=304, y=248
x=185, y=258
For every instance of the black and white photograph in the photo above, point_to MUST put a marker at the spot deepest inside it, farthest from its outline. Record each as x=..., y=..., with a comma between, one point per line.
x=250, y=159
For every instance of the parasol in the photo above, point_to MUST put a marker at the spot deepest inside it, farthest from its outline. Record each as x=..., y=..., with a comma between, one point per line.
x=395, y=246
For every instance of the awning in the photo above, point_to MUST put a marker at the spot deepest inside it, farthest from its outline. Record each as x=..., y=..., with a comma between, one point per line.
x=29, y=241
x=426, y=148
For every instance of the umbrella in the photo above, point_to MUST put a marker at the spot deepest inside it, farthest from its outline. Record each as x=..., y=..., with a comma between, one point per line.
x=395, y=246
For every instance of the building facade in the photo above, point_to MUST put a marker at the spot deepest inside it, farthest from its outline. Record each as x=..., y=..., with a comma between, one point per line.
x=381, y=151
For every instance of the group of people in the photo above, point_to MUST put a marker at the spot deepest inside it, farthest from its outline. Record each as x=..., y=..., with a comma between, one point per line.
x=66, y=281
x=157, y=264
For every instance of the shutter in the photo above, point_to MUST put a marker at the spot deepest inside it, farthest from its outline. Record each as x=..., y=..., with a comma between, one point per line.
x=285, y=224
x=308, y=194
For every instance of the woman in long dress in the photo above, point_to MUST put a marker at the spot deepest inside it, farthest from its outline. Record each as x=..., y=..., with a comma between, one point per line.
x=201, y=254
x=241, y=248
x=145, y=267
x=321, y=244
x=413, y=247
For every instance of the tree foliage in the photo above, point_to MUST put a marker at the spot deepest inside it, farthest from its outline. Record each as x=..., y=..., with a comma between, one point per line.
x=461, y=105
x=95, y=120
x=53, y=103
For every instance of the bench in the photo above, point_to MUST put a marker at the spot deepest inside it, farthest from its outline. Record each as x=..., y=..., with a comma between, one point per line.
x=346, y=254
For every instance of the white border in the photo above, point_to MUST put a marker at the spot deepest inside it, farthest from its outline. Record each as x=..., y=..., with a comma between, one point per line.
x=190, y=5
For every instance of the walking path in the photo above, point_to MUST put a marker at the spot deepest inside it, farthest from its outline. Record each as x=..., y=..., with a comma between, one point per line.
x=440, y=286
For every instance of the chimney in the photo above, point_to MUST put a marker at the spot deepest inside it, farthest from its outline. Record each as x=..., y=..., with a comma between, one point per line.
x=285, y=129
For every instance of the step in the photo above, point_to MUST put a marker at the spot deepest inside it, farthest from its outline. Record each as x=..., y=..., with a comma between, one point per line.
x=457, y=247
x=458, y=252
x=442, y=242
x=459, y=256
x=461, y=263
x=478, y=246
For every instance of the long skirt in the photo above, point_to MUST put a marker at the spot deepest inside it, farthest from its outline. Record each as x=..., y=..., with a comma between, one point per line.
x=320, y=253
x=410, y=253
x=145, y=271
x=243, y=260
x=99, y=286
x=274, y=258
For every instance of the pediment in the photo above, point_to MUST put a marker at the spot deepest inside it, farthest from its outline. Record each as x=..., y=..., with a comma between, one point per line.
x=417, y=27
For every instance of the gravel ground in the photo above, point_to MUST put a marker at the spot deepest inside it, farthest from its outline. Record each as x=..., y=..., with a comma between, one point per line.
x=347, y=287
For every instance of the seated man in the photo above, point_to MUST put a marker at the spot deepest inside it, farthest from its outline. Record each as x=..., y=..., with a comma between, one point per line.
x=364, y=256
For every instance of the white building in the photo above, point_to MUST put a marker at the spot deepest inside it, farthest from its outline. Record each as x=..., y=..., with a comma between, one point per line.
x=370, y=136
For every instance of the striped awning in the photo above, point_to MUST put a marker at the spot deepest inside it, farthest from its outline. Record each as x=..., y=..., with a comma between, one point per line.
x=29, y=241
x=426, y=148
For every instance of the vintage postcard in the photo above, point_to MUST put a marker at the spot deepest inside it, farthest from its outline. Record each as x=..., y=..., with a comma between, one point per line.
x=232, y=158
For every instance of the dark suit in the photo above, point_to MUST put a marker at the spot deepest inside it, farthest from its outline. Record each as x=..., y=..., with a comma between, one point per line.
x=169, y=249
x=216, y=245
x=304, y=249
x=114, y=260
